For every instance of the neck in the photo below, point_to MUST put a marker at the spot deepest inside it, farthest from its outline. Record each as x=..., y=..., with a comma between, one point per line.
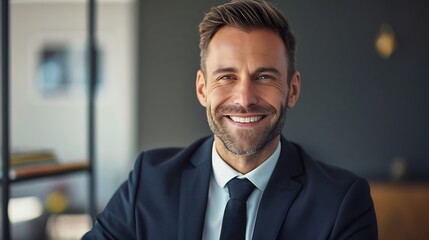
x=242, y=163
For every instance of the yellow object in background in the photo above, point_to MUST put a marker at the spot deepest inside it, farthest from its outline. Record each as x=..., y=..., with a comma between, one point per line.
x=56, y=202
x=385, y=43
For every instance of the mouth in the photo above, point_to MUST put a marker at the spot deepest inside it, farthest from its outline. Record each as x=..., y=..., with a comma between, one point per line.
x=250, y=119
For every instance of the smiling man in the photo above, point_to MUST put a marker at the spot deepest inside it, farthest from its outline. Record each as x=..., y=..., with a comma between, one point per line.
x=246, y=181
x=245, y=89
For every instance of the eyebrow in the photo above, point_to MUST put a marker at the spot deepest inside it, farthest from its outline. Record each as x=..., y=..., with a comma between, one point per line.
x=258, y=70
x=268, y=69
x=224, y=70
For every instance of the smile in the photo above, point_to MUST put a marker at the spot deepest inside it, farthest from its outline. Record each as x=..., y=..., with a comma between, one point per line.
x=245, y=119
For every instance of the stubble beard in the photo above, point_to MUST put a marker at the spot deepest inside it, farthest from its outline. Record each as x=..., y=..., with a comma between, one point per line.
x=230, y=140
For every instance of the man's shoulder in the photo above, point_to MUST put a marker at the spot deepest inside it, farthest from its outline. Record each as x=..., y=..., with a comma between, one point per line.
x=336, y=202
x=325, y=175
x=167, y=155
x=160, y=154
x=167, y=164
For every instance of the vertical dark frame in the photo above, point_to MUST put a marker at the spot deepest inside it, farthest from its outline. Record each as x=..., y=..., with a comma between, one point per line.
x=92, y=76
x=5, y=116
x=4, y=101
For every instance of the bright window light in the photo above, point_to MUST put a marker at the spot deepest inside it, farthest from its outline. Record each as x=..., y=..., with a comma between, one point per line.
x=24, y=209
x=68, y=226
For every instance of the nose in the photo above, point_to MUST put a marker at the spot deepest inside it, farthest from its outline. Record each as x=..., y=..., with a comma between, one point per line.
x=244, y=93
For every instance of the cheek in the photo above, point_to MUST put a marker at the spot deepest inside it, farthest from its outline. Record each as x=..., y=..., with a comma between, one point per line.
x=217, y=96
x=276, y=101
x=274, y=96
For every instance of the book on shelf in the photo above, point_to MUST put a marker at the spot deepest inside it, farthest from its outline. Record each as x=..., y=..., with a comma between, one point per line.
x=30, y=158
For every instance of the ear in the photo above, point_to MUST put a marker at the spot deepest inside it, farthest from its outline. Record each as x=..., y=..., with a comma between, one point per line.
x=200, y=85
x=294, y=89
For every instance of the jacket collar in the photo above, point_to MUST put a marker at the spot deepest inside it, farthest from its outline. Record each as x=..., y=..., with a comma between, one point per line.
x=280, y=193
x=193, y=192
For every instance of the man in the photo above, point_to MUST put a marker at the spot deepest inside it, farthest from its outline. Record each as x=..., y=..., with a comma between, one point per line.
x=247, y=81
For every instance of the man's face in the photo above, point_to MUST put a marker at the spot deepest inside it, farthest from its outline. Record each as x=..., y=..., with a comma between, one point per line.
x=244, y=88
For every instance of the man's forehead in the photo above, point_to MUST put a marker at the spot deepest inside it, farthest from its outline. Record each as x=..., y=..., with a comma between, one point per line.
x=251, y=32
x=232, y=46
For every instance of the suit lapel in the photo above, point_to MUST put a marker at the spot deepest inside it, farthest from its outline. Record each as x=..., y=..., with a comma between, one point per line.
x=193, y=193
x=279, y=193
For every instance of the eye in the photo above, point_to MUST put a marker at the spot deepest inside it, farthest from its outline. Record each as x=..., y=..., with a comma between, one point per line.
x=226, y=77
x=265, y=77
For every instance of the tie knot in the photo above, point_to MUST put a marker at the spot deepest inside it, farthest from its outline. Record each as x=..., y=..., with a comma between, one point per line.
x=240, y=189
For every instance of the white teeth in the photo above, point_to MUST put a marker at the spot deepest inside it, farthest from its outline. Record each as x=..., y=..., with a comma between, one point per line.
x=246, y=119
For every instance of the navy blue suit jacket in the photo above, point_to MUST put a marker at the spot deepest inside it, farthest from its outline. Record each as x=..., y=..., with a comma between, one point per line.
x=166, y=194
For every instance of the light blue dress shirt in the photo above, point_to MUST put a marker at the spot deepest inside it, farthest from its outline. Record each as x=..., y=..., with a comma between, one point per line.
x=219, y=196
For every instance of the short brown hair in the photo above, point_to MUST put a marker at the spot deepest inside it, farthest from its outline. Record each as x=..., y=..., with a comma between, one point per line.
x=247, y=15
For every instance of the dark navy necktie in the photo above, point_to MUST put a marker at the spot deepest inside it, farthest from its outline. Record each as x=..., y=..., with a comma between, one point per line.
x=235, y=216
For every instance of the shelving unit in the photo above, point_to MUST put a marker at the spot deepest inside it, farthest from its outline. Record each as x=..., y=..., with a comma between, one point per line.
x=26, y=174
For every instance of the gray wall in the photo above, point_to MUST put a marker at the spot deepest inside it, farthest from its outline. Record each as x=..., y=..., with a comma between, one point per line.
x=357, y=110
x=1, y=78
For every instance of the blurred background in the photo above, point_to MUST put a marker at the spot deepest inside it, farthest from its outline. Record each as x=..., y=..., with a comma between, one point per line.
x=363, y=103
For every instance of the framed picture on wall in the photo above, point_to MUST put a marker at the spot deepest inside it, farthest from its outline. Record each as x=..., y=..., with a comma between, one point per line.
x=59, y=67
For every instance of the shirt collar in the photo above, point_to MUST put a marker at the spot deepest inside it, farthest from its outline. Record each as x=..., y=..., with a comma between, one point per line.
x=259, y=176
